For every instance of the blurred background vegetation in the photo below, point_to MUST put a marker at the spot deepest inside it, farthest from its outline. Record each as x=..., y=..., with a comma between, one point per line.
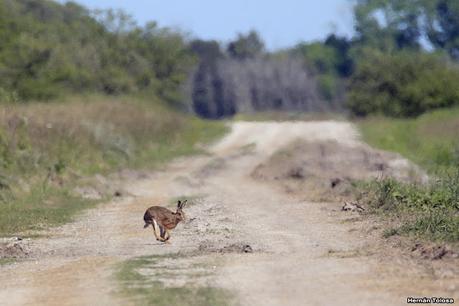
x=401, y=62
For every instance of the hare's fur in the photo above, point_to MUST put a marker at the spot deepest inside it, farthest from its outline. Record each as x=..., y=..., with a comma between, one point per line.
x=163, y=220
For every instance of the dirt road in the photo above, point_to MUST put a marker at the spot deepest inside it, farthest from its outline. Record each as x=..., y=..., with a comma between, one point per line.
x=304, y=253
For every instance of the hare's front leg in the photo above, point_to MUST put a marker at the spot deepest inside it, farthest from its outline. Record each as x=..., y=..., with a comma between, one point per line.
x=160, y=232
x=166, y=236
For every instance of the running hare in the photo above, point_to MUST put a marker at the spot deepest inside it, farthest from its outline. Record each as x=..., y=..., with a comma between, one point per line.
x=163, y=220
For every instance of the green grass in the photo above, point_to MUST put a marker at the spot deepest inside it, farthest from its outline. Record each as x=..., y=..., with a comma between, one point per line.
x=425, y=211
x=431, y=140
x=46, y=149
x=428, y=212
x=40, y=208
x=288, y=116
x=145, y=290
x=7, y=261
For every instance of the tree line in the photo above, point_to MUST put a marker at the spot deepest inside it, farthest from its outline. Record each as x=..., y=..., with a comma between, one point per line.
x=402, y=61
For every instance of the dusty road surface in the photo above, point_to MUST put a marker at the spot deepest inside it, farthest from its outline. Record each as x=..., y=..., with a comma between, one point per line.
x=303, y=253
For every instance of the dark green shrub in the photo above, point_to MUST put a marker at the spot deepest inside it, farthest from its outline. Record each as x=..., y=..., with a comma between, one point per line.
x=403, y=84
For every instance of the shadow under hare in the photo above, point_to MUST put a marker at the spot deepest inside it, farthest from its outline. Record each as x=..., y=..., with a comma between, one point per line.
x=163, y=220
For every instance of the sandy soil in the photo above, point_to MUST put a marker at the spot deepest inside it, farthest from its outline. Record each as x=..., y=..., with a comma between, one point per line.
x=304, y=253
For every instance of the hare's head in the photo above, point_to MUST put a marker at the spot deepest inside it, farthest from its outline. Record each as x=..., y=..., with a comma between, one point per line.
x=179, y=213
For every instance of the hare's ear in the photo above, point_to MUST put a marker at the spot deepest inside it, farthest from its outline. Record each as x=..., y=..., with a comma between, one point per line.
x=183, y=204
x=179, y=204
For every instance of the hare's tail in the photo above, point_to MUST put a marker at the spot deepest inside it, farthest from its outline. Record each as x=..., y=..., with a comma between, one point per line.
x=148, y=219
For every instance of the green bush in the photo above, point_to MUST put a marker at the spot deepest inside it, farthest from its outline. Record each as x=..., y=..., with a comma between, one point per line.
x=328, y=86
x=402, y=84
x=330, y=62
x=50, y=49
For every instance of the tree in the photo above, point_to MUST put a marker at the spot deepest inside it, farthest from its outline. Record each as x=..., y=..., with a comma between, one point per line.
x=414, y=83
x=344, y=63
x=443, y=25
x=246, y=46
x=389, y=24
x=330, y=61
x=207, y=86
x=398, y=24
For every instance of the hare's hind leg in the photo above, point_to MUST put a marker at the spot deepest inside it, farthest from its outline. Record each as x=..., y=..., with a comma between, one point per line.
x=164, y=234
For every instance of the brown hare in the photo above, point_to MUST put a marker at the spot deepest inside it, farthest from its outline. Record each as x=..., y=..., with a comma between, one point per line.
x=163, y=220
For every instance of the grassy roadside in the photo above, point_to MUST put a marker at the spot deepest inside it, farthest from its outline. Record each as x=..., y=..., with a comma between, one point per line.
x=288, y=116
x=428, y=212
x=431, y=140
x=47, y=148
x=149, y=290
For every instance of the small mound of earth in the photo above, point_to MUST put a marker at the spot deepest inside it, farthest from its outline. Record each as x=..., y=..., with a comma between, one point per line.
x=433, y=252
x=13, y=248
x=325, y=170
x=208, y=247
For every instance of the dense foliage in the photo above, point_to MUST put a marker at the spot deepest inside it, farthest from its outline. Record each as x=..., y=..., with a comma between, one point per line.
x=397, y=24
x=331, y=62
x=403, y=84
x=394, y=74
x=49, y=49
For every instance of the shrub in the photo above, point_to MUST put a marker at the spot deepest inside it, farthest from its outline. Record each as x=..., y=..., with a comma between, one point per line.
x=403, y=84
